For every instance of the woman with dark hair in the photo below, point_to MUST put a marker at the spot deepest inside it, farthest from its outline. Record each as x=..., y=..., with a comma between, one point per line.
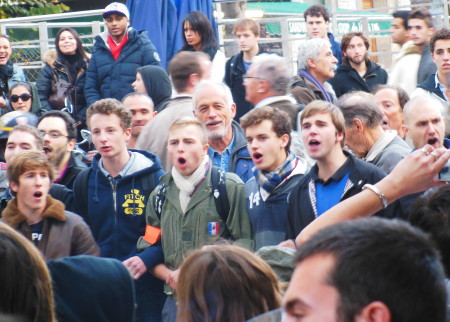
x=198, y=35
x=65, y=68
x=154, y=81
x=225, y=283
x=9, y=73
x=23, y=96
x=26, y=292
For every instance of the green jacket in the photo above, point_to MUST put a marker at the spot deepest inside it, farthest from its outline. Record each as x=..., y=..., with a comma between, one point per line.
x=183, y=233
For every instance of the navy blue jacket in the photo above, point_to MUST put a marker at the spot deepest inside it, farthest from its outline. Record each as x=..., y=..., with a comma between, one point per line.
x=302, y=201
x=109, y=78
x=240, y=161
x=269, y=217
x=116, y=214
x=430, y=86
x=347, y=79
x=234, y=70
x=335, y=48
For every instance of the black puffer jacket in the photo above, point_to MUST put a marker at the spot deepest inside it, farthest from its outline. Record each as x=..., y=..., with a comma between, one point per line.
x=347, y=79
x=54, y=68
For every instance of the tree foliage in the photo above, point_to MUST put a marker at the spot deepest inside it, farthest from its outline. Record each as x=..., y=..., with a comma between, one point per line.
x=23, y=8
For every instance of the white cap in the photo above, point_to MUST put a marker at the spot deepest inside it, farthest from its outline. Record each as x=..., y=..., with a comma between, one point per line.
x=116, y=7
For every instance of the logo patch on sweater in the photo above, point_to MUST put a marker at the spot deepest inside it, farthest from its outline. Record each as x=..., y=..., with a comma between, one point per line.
x=134, y=203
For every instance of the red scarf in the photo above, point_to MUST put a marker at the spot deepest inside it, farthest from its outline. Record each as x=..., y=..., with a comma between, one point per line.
x=116, y=48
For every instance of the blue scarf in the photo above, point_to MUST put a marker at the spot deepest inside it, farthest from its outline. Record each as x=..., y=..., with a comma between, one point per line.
x=270, y=180
x=319, y=85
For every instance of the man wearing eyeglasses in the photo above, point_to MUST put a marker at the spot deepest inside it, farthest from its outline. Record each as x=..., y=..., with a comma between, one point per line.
x=266, y=84
x=59, y=133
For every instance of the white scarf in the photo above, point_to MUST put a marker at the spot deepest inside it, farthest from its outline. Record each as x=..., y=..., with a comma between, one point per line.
x=187, y=184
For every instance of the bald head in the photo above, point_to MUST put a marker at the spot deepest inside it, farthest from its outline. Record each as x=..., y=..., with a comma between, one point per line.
x=424, y=122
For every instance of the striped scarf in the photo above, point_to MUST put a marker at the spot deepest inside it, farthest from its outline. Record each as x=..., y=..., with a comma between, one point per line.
x=270, y=180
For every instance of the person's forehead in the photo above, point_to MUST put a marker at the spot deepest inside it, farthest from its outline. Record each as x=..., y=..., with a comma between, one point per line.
x=416, y=23
x=442, y=44
x=318, y=116
x=387, y=94
x=423, y=111
x=315, y=18
x=52, y=123
x=244, y=31
x=185, y=132
x=398, y=22
x=21, y=89
x=115, y=15
x=21, y=137
x=137, y=102
x=265, y=126
x=356, y=40
x=104, y=120
x=211, y=94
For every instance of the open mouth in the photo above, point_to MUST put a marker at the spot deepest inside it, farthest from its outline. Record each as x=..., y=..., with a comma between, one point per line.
x=181, y=160
x=46, y=149
x=37, y=194
x=257, y=156
x=213, y=123
x=313, y=143
x=432, y=141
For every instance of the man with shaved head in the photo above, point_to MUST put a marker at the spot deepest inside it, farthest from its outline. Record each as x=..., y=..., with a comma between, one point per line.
x=424, y=123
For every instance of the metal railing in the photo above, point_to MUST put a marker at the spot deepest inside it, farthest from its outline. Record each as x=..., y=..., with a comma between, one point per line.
x=28, y=53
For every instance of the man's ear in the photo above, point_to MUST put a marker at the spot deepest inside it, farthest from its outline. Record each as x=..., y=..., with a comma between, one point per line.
x=374, y=312
x=358, y=124
x=311, y=63
x=14, y=186
x=71, y=145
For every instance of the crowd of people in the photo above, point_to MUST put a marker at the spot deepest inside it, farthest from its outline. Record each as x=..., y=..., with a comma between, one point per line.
x=227, y=190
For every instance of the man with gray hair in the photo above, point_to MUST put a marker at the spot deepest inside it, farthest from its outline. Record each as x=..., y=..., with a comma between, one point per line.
x=364, y=133
x=267, y=83
x=214, y=107
x=316, y=65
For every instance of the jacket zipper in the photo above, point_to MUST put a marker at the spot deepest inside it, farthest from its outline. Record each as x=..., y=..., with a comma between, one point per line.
x=114, y=195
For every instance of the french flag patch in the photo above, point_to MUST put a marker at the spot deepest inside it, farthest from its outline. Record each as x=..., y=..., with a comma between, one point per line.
x=213, y=228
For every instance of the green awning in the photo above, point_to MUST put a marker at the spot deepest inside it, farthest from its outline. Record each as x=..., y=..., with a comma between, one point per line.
x=299, y=27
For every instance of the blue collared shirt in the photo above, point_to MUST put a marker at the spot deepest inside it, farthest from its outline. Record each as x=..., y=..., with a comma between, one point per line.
x=442, y=88
x=221, y=160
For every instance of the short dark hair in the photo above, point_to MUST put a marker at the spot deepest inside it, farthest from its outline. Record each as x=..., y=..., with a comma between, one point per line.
x=360, y=105
x=382, y=260
x=431, y=213
x=345, y=42
x=317, y=10
x=183, y=65
x=422, y=14
x=442, y=34
x=402, y=95
x=281, y=123
x=68, y=120
x=402, y=14
x=247, y=23
x=109, y=106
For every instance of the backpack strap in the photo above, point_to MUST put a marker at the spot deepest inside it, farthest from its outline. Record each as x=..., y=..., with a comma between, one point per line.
x=80, y=188
x=218, y=183
x=160, y=199
x=232, y=69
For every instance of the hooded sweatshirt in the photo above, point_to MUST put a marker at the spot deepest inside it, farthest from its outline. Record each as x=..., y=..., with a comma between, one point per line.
x=157, y=84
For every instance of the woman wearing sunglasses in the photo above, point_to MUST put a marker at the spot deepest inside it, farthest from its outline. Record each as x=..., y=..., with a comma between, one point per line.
x=9, y=73
x=66, y=67
x=21, y=98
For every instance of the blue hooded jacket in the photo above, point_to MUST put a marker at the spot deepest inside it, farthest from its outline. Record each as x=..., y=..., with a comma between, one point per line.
x=109, y=78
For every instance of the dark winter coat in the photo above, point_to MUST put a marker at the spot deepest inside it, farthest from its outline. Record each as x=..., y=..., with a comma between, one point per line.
x=109, y=78
x=347, y=79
